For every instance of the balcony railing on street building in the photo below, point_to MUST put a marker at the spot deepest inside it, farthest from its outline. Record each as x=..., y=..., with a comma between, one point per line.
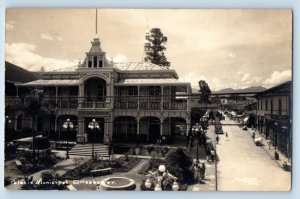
x=119, y=103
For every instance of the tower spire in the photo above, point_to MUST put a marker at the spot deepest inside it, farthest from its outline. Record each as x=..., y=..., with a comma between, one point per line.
x=96, y=22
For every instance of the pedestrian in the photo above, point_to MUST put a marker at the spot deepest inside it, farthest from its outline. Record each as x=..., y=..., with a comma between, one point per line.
x=196, y=169
x=212, y=155
x=226, y=134
x=202, y=171
x=204, y=141
x=217, y=139
x=163, y=139
x=207, y=154
x=253, y=135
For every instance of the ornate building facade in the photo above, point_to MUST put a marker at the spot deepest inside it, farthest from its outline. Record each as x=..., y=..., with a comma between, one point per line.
x=133, y=101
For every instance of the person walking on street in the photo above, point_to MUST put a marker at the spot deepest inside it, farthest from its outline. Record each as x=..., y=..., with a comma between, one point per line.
x=196, y=169
x=226, y=134
x=202, y=171
x=207, y=154
x=217, y=139
x=212, y=155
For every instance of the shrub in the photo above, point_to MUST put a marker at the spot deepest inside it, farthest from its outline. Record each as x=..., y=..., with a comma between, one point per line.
x=7, y=181
x=41, y=143
x=178, y=163
x=178, y=157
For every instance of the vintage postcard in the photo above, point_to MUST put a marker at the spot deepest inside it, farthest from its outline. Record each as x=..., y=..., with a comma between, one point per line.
x=148, y=99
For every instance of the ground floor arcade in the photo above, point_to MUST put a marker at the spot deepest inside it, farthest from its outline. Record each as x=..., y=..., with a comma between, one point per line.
x=120, y=129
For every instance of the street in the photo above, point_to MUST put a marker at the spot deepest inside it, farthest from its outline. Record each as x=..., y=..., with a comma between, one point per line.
x=243, y=166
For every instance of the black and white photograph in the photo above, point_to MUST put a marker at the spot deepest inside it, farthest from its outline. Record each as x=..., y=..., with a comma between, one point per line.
x=148, y=99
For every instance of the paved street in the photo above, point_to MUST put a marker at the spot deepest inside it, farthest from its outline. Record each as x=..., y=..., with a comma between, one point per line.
x=243, y=166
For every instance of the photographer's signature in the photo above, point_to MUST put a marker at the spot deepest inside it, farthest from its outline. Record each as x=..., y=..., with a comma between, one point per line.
x=248, y=180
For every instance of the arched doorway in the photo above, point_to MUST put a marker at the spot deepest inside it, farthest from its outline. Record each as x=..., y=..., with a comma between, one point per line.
x=95, y=135
x=149, y=129
x=175, y=128
x=125, y=129
x=95, y=90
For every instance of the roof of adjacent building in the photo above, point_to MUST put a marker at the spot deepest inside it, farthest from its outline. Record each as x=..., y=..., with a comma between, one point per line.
x=67, y=69
x=53, y=82
x=281, y=89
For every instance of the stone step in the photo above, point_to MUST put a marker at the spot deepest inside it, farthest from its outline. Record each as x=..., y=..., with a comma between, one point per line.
x=86, y=150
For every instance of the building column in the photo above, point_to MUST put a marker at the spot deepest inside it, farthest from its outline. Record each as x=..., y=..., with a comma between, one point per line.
x=56, y=93
x=16, y=123
x=17, y=91
x=81, y=95
x=55, y=124
x=81, y=136
x=108, y=92
x=161, y=125
x=107, y=130
x=162, y=98
x=138, y=108
x=187, y=99
x=188, y=125
x=138, y=129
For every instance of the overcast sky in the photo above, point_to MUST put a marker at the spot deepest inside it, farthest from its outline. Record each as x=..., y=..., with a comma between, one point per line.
x=227, y=48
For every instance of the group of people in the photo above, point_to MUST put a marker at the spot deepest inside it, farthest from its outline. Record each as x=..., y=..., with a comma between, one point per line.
x=191, y=138
x=199, y=171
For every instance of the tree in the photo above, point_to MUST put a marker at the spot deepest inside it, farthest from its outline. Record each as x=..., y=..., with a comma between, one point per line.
x=33, y=106
x=204, y=92
x=156, y=54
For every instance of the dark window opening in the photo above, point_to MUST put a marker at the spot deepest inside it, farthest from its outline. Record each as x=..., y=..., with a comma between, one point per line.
x=100, y=63
x=132, y=90
x=279, y=106
x=95, y=61
x=271, y=106
x=89, y=64
x=154, y=90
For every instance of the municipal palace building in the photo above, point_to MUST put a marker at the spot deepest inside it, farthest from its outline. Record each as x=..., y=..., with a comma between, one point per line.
x=132, y=101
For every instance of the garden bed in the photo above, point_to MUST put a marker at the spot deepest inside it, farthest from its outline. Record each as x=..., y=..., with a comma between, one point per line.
x=122, y=164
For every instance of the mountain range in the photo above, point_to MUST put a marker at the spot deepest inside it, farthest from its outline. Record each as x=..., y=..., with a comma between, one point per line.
x=14, y=73
x=231, y=90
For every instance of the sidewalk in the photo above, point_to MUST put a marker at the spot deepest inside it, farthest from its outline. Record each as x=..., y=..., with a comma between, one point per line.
x=282, y=158
x=209, y=183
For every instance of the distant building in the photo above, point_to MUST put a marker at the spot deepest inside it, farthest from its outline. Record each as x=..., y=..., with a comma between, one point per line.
x=273, y=116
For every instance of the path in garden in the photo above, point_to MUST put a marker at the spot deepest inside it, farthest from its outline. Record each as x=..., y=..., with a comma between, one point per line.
x=137, y=168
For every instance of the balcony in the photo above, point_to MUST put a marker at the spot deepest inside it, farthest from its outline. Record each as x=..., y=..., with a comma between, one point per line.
x=175, y=105
x=150, y=106
x=94, y=105
x=12, y=100
x=124, y=105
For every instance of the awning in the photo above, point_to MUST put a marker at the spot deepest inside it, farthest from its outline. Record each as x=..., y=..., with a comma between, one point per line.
x=52, y=82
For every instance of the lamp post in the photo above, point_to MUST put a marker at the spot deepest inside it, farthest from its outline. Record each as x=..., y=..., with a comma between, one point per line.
x=68, y=125
x=156, y=178
x=93, y=125
x=7, y=121
x=195, y=130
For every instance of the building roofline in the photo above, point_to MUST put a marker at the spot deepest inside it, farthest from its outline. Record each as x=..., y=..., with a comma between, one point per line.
x=274, y=88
